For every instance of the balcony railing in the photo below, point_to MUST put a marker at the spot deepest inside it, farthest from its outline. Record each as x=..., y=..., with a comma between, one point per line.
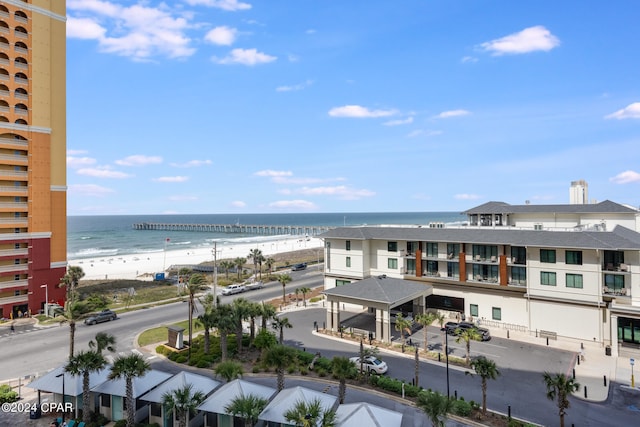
x=616, y=267
x=14, y=252
x=4, y=93
x=21, y=50
x=21, y=19
x=4, y=30
x=624, y=292
x=14, y=205
x=14, y=157
x=21, y=111
x=15, y=299
x=14, y=142
x=20, y=95
x=4, y=108
x=14, y=189
x=14, y=284
x=13, y=174
x=4, y=14
x=21, y=81
x=14, y=268
x=4, y=61
x=4, y=77
x=4, y=45
x=21, y=34
x=22, y=65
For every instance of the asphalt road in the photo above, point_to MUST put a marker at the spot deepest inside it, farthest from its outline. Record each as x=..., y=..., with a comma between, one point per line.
x=520, y=385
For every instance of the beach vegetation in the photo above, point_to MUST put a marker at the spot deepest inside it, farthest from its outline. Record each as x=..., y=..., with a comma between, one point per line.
x=280, y=357
x=247, y=407
x=129, y=367
x=226, y=265
x=241, y=310
x=279, y=324
x=310, y=414
x=466, y=336
x=83, y=364
x=264, y=340
x=103, y=341
x=72, y=311
x=184, y=401
x=284, y=279
x=239, y=262
x=229, y=370
x=486, y=369
x=559, y=388
x=7, y=395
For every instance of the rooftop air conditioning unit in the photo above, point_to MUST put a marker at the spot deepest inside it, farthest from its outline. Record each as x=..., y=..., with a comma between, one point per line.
x=537, y=226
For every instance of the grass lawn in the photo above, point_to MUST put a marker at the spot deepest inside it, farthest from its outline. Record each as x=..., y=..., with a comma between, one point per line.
x=160, y=334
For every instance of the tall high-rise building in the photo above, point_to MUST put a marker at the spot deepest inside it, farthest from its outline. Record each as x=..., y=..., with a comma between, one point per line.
x=33, y=223
x=579, y=193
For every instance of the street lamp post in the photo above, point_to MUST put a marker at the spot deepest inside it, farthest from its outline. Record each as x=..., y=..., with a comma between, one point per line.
x=446, y=355
x=63, y=410
x=46, y=299
x=632, y=362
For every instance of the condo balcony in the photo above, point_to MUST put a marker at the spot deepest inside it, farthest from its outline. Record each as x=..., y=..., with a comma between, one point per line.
x=21, y=175
x=14, y=268
x=15, y=189
x=14, y=252
x=15, y=299
x=8, y=284
x=13, y=142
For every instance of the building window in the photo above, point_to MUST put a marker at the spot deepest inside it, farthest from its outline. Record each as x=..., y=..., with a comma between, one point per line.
x=574, y=281
x=547, y=278
x=613, y=282
x=411, y=266
x=432, y=249
x=342, y=282
x=518, y=255
x=348, y=245
x=156, y=409
x=519, y=275
x=573, y=257
x=613, y=259
x=485, y=252
x=473, y=309
x=348, y=261
x=485, y=272
x=412, y=247
x=453, y=250
x=105, y=400
x=548, y=256
x=496, y=313
x=453, y=270
x=392, y=246
x=392, y=263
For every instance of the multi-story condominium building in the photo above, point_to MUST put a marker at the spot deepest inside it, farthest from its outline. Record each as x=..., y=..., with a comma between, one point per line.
x=553, y=270
x=32, y=154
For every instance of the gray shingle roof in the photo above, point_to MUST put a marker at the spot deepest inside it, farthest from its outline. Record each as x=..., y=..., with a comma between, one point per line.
x=365, y=414
x=287, y=398
x=141, y=385
x=72, y=383
x=606, y=206
x=381, y=289
x=620, y=238
x=178, y=381
x=217, y=402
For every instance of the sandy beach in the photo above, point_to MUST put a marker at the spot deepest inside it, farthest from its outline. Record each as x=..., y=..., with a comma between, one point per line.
x=144, y=266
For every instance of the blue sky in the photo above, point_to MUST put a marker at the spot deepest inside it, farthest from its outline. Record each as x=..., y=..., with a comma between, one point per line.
x=270, y=106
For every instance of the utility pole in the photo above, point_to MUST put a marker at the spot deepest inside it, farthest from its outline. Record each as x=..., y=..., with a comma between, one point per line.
x=215, y=274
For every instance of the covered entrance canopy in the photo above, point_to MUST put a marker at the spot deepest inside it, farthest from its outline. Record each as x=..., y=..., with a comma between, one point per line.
x=380, y=293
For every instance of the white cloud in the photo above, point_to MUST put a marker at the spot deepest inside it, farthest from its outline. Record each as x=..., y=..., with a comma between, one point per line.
x=89, y=190
x=228, y=5
x=271, y=173
x=182, y=198
x=222, y=36
x=626, y=177
x=341, y=191
x=631, y=111
x=293, y=204
x=358, y=111
x=76, y=162
x=245, y=57
x=468, y=59
x=238, y=204
x=528, y=40
x=135, y=31
x=139, y=160
x=103, y=172
x=76, y=152
x=299, y=86
x=452, y=113
x=466, y=196
x=192, y=164
x=423, y=132
x=399, y=122
x=84, y=28
x=172, y=179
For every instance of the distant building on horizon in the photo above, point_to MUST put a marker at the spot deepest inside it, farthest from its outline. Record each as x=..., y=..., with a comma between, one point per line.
x=33, y=180
x=579, y=192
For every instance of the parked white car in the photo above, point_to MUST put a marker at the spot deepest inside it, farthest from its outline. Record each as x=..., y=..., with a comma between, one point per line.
x=234, y=289
x=370, y=364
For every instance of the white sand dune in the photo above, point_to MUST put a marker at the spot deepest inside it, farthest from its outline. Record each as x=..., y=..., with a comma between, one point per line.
x=145, y=266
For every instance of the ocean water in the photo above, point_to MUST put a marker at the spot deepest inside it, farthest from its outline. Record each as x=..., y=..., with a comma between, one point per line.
x=113, y=235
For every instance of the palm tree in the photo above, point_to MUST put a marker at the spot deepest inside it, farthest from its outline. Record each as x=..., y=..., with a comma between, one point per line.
x=297, y=292
x=104, y=341
x=304, y=291
x=255, y=310
x=227, y=265
x=228, y=370
x=194, y=285
x=425, y=319
x=207, y=319
x=284, y=279
x=129, y=367
x=261, y=259
x=403, y=325
x=487, y=370
x=440, y=318
x=559, y=387
x=279, y=323
x=254, y=256
x=224, y=322
x=72, y=310
x=342, y=368
x=84, y=363
x=247, y=407
x=280, y=357
x=183, y=276
x=183, y=401
x=310, y=414
x=270, y=262
x=239, y=263
x=241, y=309
x=435, y=405
x=467, y=335
x=267, y=312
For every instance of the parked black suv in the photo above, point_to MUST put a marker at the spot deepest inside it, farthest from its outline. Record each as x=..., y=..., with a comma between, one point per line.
x=103, y=316
x=453, y=328
x=298, y=267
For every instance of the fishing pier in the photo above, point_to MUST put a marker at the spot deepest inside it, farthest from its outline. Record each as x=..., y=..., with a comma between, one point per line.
x=267, y=230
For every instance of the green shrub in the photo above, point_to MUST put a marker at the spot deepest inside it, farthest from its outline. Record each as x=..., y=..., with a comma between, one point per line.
x=291, y=370
x=7, y=395
x=121, y=423
x=181, y=358
x=315, y=299
x=264, y=339
x=321, y=372
x=255, y=369
x=461, y=408
x=304, y=370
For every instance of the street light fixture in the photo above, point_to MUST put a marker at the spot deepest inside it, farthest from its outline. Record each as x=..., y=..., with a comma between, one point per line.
x=63, y=410
x=446, y=355
x=46, y=299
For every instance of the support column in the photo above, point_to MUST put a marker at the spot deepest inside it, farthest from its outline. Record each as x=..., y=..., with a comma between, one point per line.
x=379, y=330
x=386, y=326
x=614, y=335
